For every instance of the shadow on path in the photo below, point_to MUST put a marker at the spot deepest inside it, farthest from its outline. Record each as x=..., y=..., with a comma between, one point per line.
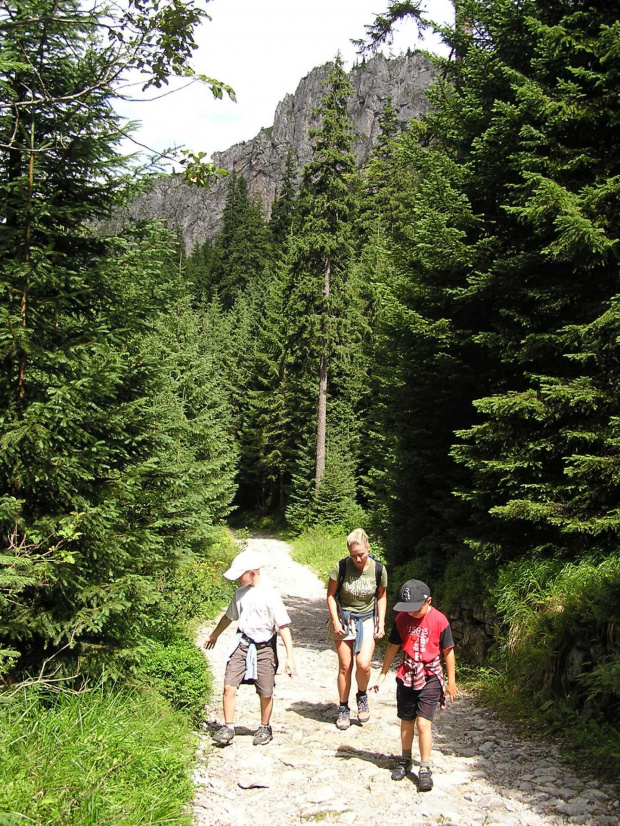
x=309, y=621
x=323, y=712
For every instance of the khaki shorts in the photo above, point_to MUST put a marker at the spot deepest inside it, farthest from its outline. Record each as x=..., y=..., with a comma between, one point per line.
x=368, y=626
x=265, y=669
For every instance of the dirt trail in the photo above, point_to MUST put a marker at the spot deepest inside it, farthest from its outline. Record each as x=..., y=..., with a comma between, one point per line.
x=484, y=772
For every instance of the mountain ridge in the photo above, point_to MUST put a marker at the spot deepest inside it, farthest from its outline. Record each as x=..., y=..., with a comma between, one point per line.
x=197, y=212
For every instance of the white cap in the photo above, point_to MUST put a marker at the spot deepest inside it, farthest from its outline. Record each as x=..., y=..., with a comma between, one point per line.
x=245, y=561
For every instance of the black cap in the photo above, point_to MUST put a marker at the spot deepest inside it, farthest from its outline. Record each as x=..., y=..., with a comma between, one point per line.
x=412, y=595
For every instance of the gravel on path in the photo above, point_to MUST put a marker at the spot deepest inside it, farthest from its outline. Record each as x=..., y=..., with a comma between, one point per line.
x=484, y=772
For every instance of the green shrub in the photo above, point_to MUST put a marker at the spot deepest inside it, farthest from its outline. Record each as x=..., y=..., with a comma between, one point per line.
x=178, y=670
x=194, y=591
x=552, y=610
x=93, y=759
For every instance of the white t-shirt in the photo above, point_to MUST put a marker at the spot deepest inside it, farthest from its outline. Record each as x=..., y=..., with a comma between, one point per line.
x=260, y=611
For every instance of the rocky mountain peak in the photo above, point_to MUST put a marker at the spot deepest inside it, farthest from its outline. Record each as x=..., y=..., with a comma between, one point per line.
x=197, y=213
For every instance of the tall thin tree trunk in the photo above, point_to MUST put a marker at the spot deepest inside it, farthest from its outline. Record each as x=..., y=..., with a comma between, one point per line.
x=321, y=421
x=321, y=429
x=24, y=298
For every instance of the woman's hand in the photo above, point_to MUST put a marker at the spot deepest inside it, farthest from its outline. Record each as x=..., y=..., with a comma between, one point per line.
x=380, y=632
x=339, y=631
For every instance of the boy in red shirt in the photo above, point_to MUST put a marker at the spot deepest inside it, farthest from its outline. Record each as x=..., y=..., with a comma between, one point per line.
x=424, y=634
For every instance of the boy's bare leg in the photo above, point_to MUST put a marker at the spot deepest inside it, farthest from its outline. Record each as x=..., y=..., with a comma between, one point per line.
x=425, y=739
x=230, y=701
x=266, y=707
x=403, y=767
x=407, y=728
x=345, y=669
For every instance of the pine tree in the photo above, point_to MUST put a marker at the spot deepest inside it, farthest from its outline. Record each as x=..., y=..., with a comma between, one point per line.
x=420, y=382
x=267, y=437
x=80, y=490
x=242, y=249
x=191, y=404
x=318, y=306
x=507, y=272
x=543, y=157
x=283, y=209
x=198, y=271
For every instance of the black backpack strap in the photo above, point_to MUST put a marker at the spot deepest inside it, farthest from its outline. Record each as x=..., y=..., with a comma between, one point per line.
x=342, y=570
x=378, y=575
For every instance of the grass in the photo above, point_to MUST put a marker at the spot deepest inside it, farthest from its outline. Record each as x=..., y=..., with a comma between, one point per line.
x=588, y=743
x=118, y=755
x=320, y=550
x=101, y=757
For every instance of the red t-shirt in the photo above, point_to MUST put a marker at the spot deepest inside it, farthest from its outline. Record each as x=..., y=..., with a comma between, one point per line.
x=422, y=639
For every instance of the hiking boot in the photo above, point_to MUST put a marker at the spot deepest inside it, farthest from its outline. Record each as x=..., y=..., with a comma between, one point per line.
x=363, y=712
x=344, y=718
x=401, y=770
x=425, y=780
x=263, y=736
x=223, y=736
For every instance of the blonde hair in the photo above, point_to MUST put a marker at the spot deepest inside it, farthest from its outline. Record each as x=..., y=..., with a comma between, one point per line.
x=358, y=537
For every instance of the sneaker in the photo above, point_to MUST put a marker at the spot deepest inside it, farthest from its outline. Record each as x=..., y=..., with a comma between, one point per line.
x=401, y=770
x=223, y=736
x=263, y=736
x=344, y=718
x=425, y=780
x=363, y=712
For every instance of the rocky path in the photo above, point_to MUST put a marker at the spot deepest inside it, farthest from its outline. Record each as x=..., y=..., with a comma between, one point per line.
x=484, y=772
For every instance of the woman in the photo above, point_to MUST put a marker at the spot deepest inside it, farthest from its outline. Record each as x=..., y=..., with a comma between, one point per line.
x=357, y=601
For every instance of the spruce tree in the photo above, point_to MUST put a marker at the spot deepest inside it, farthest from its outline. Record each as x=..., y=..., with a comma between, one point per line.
x=242, y=249
x=198, y=267
x=549, y=155
x=267, y=436
x=283, y=209
x=504, y=274
x=80, y=487
x=191, y=404
x=319, y=303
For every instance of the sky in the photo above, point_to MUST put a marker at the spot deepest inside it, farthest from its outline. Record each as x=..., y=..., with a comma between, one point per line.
x=262, y=48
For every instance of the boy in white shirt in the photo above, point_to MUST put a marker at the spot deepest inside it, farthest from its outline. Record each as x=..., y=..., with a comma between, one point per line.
x=261, y=614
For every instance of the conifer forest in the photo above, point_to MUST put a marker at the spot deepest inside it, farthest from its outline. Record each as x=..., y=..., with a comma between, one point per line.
x=427, y=346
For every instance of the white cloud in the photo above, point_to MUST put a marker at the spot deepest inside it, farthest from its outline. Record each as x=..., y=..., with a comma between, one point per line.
x=262, y=49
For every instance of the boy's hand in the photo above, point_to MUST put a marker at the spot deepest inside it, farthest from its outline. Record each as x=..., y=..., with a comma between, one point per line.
x=380, y=679
x=210, y=641
x=452, y=691
x=289, y=668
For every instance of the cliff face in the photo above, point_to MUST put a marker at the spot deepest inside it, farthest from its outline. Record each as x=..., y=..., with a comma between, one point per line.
x=198, y=212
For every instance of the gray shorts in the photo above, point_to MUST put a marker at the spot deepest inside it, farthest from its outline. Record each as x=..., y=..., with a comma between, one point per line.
x=265, y=669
